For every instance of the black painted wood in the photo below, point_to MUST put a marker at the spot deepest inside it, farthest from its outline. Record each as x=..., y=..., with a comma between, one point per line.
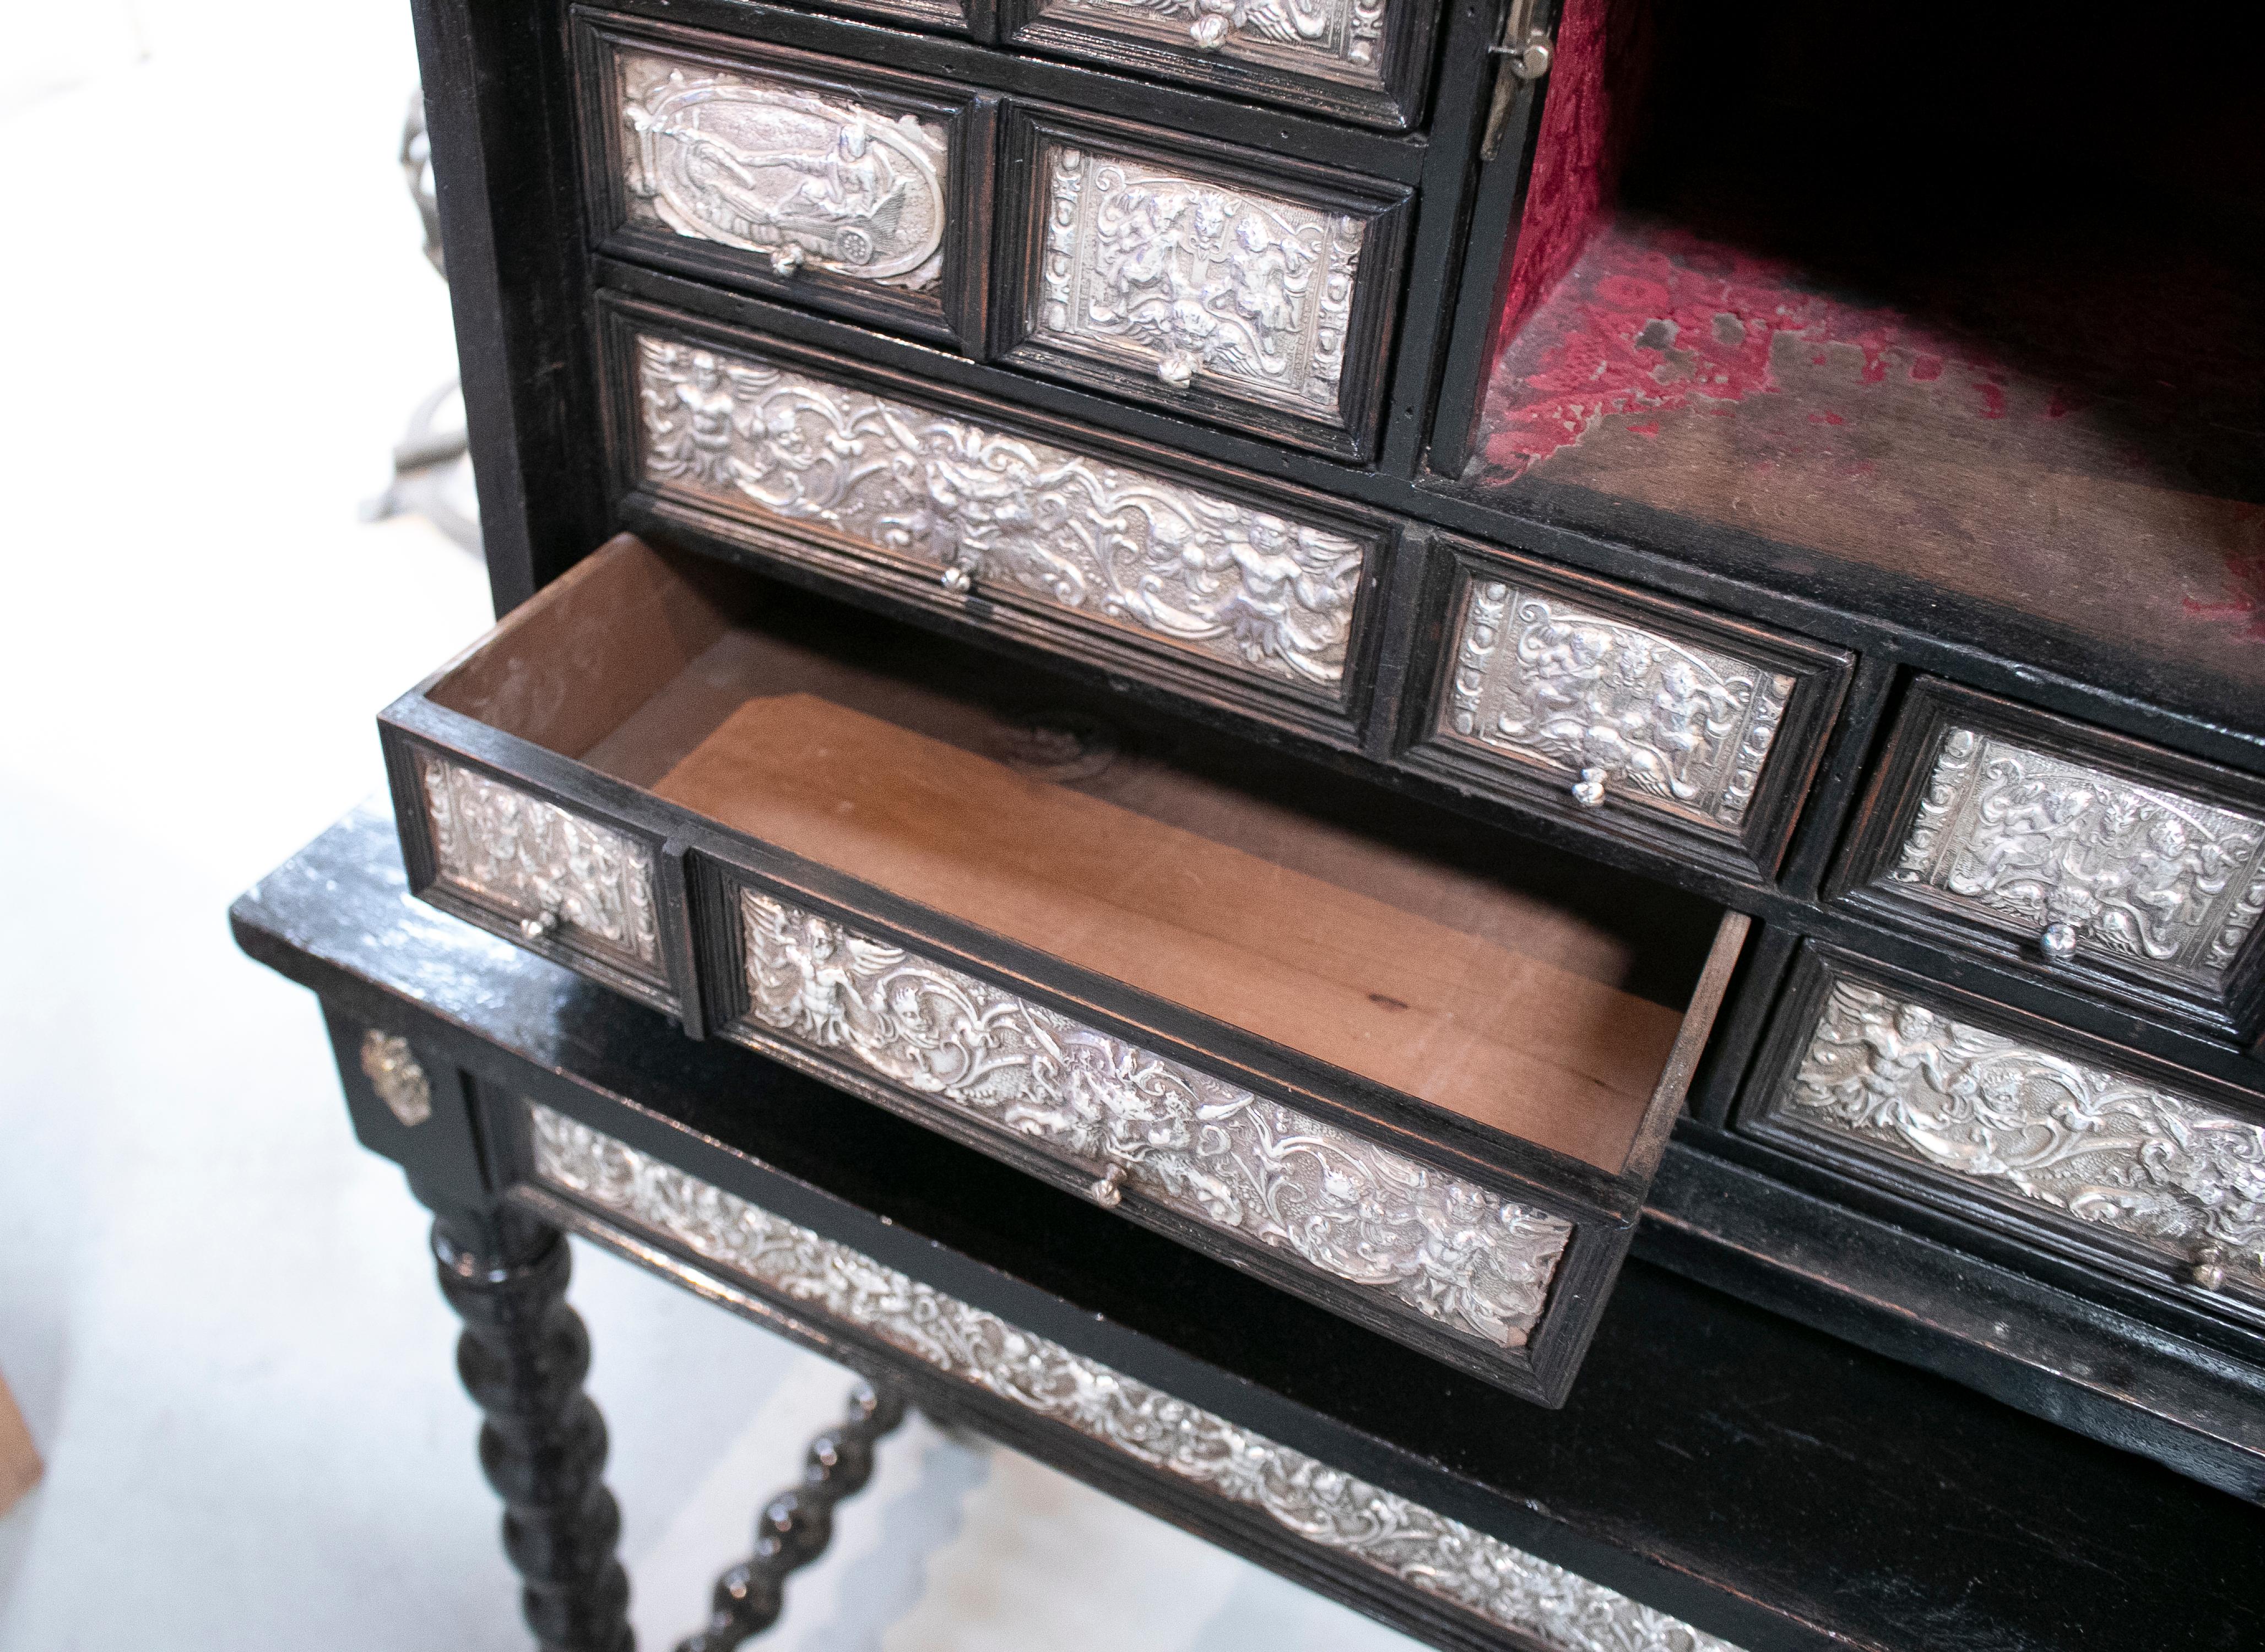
x=1764, y=1480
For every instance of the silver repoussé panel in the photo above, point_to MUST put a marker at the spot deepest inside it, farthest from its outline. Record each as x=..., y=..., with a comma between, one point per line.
x=1473, y=1262
x=769, y=167
x=1684, y=728
x=1257, y=591
x=1352, y=1520
x=557, y=872
x=2126, y=872
x=1332, y=40
x=2146, y=1165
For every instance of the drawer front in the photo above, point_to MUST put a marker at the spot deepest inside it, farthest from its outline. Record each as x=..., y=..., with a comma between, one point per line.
x=986, y=515
x=2067, y=1144
x=832, y=184
x=1348, y=1522
x=1409, y=1238
x=1593, y=701
x=545, y=875
x=1201, y=280
x=1360, y=60
x=2124, y=867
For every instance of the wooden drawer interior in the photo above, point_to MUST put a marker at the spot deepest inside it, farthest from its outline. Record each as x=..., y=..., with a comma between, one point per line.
x=1499, y=981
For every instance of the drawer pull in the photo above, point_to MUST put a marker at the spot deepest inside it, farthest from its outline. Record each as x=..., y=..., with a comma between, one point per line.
x=957, y=579
x=2209, y=1270
x=545, y=924
x=786, y=258
x=1176, y=368
x=1107, y=1190
x=2057, y=941
x=1589, y=790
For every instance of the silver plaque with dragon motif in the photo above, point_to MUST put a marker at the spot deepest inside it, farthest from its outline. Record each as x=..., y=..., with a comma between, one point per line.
x=1619, y=710
x=1253, y=589
x=2140, y=1163
x=1194, y=281
x=1347, y=1520
x=2090, y=863
x=1212, y=1151
x=805, y=178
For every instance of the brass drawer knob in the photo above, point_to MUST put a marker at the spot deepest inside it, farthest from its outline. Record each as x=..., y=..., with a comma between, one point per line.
x=957, y=580
x=1589, y=790
x=1108, y=1191
x=2209, y=1270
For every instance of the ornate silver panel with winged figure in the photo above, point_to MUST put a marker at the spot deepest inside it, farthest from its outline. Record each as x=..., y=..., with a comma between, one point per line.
x=1333, y=39
x=1246, y=293
x=2159, y=1171
x=1620, y=710
x=557, y=873
x=1260, y=592
x=1352, y=1521
x=1469, y=1260
x=2087, y=861
x=802, y=178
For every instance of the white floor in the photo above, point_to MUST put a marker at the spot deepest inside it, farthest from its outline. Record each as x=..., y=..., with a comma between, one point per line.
x=214, y=1308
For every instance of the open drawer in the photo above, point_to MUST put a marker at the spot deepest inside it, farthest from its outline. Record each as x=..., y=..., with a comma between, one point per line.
x=1410, y=1068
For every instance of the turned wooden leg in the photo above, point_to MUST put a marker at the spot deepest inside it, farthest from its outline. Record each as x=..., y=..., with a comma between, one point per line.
x=522, y=1356
x=795, y=1526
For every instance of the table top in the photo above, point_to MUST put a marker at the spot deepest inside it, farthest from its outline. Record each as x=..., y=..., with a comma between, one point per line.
x=1759, y=1479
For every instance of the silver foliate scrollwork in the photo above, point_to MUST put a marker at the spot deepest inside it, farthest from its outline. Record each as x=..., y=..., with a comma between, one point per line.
x=1331, y=39
x=2147, y=1165
x=1256, y=590
x=2137, y=874
x=769, y=167
x=1248, y=294
x=394, y=1071
x=1352, y=1520
x=584, y=881
x=1470, y=1260
x=1667, y=723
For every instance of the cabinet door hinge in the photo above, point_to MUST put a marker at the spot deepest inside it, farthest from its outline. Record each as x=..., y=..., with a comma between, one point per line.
x=1522, y=50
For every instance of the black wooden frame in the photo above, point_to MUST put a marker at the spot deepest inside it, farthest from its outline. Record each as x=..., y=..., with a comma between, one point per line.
x=1930, y=712
x=1820, y=677
x=1385, y=211
x=1396, y=102
x=2034, y=1229
x=913, y=590
x=953, y=314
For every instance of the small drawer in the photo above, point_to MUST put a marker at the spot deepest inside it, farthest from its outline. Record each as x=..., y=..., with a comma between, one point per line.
x=1250, y=290
x=838, y=186
x=1192, y=577
x=1358, y=60
x=2070, y=852
x=1656, y=720
x=2065, y=1142
x=1414, y=1074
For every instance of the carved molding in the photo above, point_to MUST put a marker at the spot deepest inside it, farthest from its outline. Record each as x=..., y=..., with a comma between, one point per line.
x=1469, y=1260
x=1683, y=728
x=2137, y=875
x=393, y=1071
x=2161, y=1170
x=769, y=167
x=1333, y=39
x=555, y=871
x=1196, y=281
x=1251, y=589
x=1352, y=1520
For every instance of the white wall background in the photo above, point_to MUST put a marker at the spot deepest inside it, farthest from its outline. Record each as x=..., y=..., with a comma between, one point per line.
x=214, y=1310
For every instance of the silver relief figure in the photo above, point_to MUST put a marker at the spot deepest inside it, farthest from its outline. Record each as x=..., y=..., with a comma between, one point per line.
x=1352, y=1520
x=2156, y=1169
x=1251, y=588
x=557, y=872
x=394, y=1071
x=805, y=178
x=1332, y=40
x=1196, y=282
x=1667, y=723
x=1470, y=1260
x=2125, y=871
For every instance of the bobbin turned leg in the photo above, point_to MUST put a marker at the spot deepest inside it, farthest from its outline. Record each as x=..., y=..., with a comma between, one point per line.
x=522, y=1358
x=795, y=1526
